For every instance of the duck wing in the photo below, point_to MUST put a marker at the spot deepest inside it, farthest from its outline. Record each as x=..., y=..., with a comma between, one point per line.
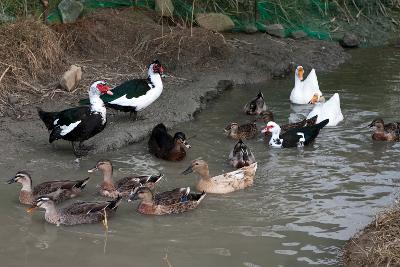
x=171, y=197
x=52, y=186
x=85, y=207
x=306, y=135
x=129, y=183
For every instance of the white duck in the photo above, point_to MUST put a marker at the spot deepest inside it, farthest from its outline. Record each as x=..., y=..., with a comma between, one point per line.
x=328, y=110
x=307, y=91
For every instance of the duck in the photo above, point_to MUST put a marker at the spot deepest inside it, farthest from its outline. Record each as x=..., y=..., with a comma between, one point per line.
x=123, y=187
x=224, y=183
x=265, y=116
x=59, y=190
x=79, y=123
x=241, y=155
x=80, y=212
x=162, y=145
x=295, y=137
x=176, y=201
x=137, y=94
x=244, y=131
x=307, y=91
x=328, y=110
x=385, y=132
x=256, y=106
x=305, y=122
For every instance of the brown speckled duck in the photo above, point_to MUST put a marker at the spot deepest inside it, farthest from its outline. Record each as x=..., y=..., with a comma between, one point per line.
x=244, y=131
x=170, y=202
x=385, y=132
x=224, y=183
x=241, y=155
x=256, y=106
x=162, y=145
x=58, y=190
x=123, y=186
x=80, y=212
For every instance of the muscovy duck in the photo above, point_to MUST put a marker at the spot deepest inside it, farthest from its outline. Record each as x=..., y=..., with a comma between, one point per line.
x=299, y=124
x=307, y=91
x=328, y=110
x=170, y=202
x=223, y=183
x=295, y=137
x=385, y=132
x=244, y=131
x=256, y=106
x=241, y=155
x=164, y=146
x=137, y=94
x=79, y=123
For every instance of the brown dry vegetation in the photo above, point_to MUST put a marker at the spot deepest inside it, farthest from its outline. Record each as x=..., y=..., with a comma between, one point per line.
x=378, y=244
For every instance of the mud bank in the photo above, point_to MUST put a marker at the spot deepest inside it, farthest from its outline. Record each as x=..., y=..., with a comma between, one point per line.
x=195, y=77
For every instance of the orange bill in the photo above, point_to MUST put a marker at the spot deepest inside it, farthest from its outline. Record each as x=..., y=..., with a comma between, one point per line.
x=314, y=99
x=31, y=209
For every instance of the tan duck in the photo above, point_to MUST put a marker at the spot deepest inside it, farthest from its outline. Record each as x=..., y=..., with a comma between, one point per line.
x=224, y=183
x=385, y=132
x=244, y=131
x=170, y=202
x=123, y=186
x=80, y=212
x=58, y=190
x=256, y=106
x=241, y=155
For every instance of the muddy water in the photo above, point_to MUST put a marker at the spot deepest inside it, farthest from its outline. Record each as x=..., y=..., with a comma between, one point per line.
x=304, y=203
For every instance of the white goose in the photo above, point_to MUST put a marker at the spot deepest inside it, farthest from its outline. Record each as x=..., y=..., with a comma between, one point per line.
x=307, y=91
x=328, y=110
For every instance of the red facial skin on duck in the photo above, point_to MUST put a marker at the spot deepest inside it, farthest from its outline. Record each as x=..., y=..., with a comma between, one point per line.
x=158, y=69
x=104, y=89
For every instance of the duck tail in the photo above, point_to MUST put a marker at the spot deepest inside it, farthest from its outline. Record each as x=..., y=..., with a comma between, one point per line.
x=55, y=134
x=312, y=120
x=322, y=124
x=82, y=183
x=47, y=117
x=201, y=196
x=113, y=204
x=155, y=178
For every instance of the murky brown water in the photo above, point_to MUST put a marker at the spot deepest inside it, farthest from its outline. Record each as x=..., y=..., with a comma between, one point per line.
x=304, y=203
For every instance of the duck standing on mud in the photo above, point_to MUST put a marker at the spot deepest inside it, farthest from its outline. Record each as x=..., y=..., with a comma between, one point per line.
x=385, y=132
x=80, y=123
x=137, y=94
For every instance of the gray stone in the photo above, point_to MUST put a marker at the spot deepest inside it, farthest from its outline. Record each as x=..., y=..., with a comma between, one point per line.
x=71, y=78
x=70, y=10
x=164, y=8
x=298, y=34
x=215, y=21
x=4, y=18
x=250, y=28
x=350, y=41
x=12, y=100
x=275, y=30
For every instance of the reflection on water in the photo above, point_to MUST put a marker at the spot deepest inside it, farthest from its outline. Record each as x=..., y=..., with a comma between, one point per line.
x=302, y=207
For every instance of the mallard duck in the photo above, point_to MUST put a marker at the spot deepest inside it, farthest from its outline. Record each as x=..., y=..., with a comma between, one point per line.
x=80, y=212
x=224, y=183
x=307, y=91
x=385, y=132
x=137, y=94
x=244, y=131
x=241, y=155
x=58, y=190
x=123, y=187
x=265, y=116
x=163, y=145
x=295, y=137
x=299, y=124
x=80, y=123
x=170, y=202
x=328, y=110
x=256, y=106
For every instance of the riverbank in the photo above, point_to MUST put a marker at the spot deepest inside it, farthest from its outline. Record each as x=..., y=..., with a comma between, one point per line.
x=116, y=45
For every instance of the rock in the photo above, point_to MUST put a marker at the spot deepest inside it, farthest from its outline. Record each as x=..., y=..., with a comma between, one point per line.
x=215, y=21
x=298, y=34
x=165, y=8
x=275, y=30
x=250, y=28
x=349, y=41
x=71, y=78
x=12, y=100
x=70, y=10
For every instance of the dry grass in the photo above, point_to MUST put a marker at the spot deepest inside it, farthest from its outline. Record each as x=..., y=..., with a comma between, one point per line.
x=378, y=244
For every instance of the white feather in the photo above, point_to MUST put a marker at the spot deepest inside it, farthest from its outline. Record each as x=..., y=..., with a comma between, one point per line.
x=304, y=91
x=65, y=129
x=328, y=110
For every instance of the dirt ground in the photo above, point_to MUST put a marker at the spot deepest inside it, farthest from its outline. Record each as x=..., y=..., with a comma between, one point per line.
x=116, y=45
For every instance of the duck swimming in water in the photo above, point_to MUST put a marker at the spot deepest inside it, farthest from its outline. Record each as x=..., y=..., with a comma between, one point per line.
x=305, y=91
x=244, y=131
x=385, y=132
x=256, y=106
x=241, y=155
x=330, y=110
x=299, y=124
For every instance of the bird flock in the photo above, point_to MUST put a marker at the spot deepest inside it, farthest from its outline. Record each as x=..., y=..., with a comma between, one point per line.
x=80, y=123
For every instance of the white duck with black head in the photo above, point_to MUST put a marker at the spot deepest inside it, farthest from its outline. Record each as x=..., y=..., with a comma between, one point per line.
x=137, y=94
x=79, y=123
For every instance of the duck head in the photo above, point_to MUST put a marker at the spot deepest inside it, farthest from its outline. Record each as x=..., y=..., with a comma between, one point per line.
x=98, y=88
x=43, y=202
x=143, y=192
x=156, y=67
x=377, y=124
x=180, y=138
x=103, y=165
x=271, y=127
x=232, y=127
x=199, y=166
x=299, y=73
x=23, y=178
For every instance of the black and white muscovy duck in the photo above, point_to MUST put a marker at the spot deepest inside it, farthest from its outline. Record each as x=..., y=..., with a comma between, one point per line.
x=137, y=94
x=79, y=123
x=294, y=137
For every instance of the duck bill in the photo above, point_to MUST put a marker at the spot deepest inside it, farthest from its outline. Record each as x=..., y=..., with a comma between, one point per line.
x=93, y=169
x=109, y=92
x=188, y=170
x=186, y=144
x=11, y=181
x=31, y=209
